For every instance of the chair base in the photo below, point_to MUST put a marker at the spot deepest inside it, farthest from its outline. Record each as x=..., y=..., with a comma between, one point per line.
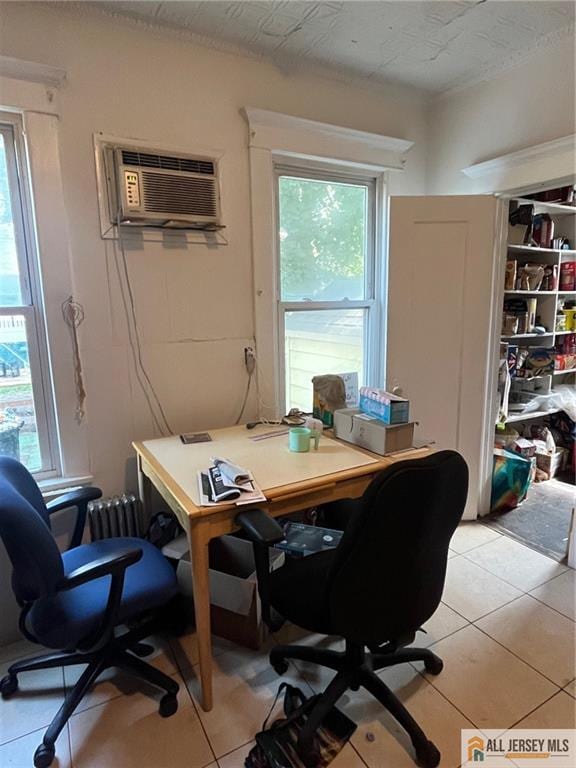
x=356, y=668
x=122, y=652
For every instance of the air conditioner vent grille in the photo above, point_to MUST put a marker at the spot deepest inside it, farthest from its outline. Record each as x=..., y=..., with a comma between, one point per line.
x=169, y=193
x=167, y=162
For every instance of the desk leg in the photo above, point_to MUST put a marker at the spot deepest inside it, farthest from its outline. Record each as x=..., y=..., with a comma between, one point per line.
x=144, y=491
x=201, y=584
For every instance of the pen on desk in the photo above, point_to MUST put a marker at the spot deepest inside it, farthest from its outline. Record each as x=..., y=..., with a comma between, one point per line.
x=267, y=435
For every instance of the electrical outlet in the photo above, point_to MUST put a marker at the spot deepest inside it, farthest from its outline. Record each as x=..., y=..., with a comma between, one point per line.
x=249, y=359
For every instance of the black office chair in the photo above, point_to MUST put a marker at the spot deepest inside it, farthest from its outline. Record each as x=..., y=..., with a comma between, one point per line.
x=73, y=601
x=375, y=590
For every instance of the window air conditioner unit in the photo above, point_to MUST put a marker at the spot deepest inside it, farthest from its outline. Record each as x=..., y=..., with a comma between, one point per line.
x=162, y=189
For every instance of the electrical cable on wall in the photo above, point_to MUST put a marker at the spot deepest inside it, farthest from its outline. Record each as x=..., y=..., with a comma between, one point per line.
x=142, y=376
x=242, y=409
x=73, y=314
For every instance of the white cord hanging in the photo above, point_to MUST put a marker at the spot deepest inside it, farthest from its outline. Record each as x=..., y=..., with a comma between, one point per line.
x=73, y=314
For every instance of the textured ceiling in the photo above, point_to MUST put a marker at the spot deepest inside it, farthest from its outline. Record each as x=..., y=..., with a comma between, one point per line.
x=434, y=45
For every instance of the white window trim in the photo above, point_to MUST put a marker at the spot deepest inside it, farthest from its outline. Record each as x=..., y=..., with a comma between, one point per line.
x=272, y=138
x=36, y=100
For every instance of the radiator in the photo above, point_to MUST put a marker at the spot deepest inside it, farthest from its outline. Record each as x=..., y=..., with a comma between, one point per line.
x=118, y=516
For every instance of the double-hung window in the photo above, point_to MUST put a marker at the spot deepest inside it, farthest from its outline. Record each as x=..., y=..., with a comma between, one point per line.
x=27, y=423
x=329, y=280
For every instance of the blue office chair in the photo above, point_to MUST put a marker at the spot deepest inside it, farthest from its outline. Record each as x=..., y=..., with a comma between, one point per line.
x=74, y=601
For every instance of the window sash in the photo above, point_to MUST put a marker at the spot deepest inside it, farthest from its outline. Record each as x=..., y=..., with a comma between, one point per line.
x=372, y=306
x=18, y=220
x=31, y=294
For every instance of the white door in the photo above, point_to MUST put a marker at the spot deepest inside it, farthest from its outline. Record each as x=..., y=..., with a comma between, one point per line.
x=445, y=263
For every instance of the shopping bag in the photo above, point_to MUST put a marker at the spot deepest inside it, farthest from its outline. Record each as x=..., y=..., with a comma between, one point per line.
x=276, y=746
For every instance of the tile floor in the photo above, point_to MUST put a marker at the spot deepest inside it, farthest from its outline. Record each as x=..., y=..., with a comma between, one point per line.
x=505, y=630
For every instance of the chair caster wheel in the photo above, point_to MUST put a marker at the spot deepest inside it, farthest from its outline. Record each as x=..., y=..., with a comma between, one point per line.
x=434, y=666
x=168, y=705
x=44, y=756
x=427, y=755
x=8, y=685
x=142, y=649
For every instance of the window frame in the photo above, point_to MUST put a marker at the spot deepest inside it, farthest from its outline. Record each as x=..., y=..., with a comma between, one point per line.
x=32, y=307
x=375, y=267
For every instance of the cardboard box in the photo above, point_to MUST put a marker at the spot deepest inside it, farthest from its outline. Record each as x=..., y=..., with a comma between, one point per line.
x=366, y=431
x=234, y=601
x=550, y=462
x=389, y=408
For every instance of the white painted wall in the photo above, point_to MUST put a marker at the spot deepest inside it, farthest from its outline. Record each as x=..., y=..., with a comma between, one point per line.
x=527, y=105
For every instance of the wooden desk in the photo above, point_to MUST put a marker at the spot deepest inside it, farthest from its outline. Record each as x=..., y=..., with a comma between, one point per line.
x=290, y=482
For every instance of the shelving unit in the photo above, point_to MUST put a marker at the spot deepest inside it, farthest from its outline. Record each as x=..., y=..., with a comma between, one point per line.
x=564, y=217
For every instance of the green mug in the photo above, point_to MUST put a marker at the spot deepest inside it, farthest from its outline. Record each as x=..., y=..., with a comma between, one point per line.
x=299, y=439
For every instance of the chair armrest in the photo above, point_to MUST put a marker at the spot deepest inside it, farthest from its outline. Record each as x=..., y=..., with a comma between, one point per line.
x=78, y=498
x=113, y=565
x=263, y=531
x=109, y=565
x=260, y=527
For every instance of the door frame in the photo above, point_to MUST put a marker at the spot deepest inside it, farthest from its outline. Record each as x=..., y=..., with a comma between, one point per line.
x=498, y=273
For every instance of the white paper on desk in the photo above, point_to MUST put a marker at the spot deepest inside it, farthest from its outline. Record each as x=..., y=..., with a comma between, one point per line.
x=232, y=475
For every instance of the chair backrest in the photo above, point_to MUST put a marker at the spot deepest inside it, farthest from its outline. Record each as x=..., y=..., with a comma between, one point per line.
x=34, y=555
x=23, y=482
x=388, y=576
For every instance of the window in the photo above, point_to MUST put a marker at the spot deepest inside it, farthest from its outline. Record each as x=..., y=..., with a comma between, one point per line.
x=328, y=310
x=27, y=428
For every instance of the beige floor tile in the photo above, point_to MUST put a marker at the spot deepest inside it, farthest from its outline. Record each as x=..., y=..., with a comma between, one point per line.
x=20, y=752
x=113, y=682
x=185, y=648
x=486, y=682
x=128, y=732
x=381, y=741
x=537, y=634
x=34, y=704
x=347, y=758
x=518, y=565
x=559, y=593
x=558, y=712
x=443, y=623
x=472, y=591
x=470, y=535
x=19, y=650
x=245, y=686
x=571, y=688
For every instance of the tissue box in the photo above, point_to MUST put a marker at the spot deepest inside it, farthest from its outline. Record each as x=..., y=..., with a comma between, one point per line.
x=369, y=432
x=385, y=406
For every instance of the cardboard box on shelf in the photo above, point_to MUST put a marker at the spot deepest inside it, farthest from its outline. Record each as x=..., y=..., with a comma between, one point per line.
x=366, y=431
x=551, y=463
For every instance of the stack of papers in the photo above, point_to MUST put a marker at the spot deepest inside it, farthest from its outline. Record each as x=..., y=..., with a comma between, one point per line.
x=224, y=482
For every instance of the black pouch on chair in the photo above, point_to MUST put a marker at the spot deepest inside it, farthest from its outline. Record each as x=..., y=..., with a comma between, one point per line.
x=276, y=745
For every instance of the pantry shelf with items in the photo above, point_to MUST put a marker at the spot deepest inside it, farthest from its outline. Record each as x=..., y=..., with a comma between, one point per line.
x=537, y=368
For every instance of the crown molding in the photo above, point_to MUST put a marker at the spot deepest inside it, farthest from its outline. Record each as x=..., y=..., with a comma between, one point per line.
x=548, y=151
x=31, y=71
x=263, y=118
x=310, y=139
x=527, y=168
x=515, y=60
